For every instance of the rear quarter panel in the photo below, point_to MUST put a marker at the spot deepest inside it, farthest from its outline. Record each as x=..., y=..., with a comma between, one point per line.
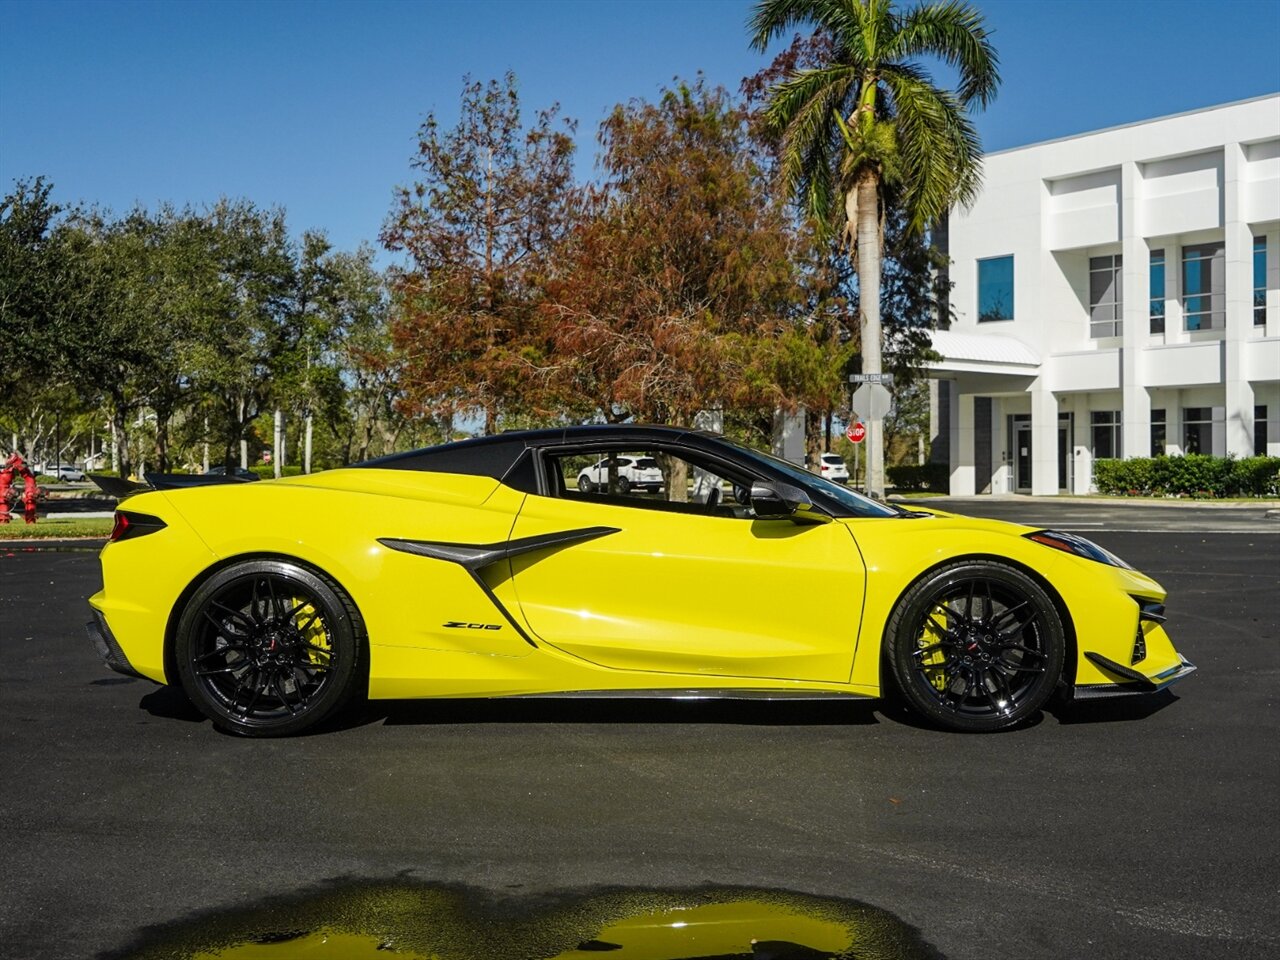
x=331, y=521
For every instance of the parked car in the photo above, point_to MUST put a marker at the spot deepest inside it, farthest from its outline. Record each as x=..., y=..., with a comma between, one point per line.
x=833, y=468
x=68, y=472
x=634, y=473
x=270, y=616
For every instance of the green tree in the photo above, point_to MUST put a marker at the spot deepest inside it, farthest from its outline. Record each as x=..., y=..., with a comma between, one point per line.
x=250, y=324
x=305, y=375
x=30, y=277
x=364, y=416
x=870, y=123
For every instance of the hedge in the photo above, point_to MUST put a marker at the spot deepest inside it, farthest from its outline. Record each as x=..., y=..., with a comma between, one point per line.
x=926, y=476
x=1193, y=475
x=267, y=472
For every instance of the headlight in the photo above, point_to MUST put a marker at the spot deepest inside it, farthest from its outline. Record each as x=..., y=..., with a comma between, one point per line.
x=1070, y=543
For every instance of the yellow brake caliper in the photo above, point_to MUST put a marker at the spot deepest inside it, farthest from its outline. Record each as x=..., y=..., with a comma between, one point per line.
x=312, y=627
x=929, y=636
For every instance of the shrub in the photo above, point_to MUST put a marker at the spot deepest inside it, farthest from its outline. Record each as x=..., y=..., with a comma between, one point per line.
x=267, y=472
x=1193, y=475
x=934, y=477
x=1258, y=476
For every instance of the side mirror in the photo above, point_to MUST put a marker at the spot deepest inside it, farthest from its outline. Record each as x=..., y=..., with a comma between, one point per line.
x=774, y=500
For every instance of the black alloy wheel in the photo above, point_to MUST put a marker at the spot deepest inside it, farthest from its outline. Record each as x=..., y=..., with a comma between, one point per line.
x=976, y=646
x=268, y=648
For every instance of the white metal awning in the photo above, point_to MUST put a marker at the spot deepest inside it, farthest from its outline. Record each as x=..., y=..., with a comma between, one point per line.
x=982, y=353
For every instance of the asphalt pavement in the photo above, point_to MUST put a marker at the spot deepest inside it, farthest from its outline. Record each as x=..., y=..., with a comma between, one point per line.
x=1141, y=828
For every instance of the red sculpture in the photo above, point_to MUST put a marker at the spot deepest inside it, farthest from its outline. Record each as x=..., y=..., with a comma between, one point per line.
x=15, y=466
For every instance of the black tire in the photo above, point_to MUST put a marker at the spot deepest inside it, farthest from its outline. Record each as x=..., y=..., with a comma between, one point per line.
x=976, y=645
x=624, y=485
x=585, y=485
x=268, y=648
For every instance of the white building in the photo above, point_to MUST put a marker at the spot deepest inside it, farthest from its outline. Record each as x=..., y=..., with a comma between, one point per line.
x=1115, y=294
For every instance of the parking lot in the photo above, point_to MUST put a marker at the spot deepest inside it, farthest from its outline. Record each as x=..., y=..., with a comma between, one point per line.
x=1139, y=828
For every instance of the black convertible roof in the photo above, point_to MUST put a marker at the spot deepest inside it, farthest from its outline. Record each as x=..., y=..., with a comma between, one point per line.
x=495, y=455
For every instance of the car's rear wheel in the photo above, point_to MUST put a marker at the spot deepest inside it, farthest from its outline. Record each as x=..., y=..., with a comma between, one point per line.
x=976, y=646
x=268, y=648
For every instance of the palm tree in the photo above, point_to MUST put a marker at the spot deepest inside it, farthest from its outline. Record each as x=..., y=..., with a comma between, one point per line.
x=870, y=123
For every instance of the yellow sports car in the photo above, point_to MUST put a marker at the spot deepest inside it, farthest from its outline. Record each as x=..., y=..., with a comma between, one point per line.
x=480, y=569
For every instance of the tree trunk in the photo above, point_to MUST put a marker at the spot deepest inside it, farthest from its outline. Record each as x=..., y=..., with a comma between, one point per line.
x=120, y=440
x=277, y=444
x=244, y=444
x=813, y=447
x=162, y=440
x=867, y=204
x=306, y=444
x=675, y=476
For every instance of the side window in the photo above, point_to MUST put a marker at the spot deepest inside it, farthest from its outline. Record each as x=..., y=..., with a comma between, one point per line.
x=649, y=480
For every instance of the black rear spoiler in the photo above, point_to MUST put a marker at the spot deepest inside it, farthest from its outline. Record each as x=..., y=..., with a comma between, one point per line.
x=121, y=488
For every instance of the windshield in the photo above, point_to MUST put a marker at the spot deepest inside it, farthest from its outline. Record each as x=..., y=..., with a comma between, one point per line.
x=853, y=504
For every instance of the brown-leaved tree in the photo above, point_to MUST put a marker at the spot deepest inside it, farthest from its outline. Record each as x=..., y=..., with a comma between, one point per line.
x=492, y=199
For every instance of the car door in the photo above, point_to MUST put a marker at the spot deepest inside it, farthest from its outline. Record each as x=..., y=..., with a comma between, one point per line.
x=682, y=592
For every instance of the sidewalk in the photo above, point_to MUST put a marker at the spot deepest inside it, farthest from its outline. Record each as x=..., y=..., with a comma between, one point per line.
x=1067, y=500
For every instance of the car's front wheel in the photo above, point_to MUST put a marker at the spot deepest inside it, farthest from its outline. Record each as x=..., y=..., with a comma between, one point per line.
x=268, y=648
x=977, y=646
x=585, y=485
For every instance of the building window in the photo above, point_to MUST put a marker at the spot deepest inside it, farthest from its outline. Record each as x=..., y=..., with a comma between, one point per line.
x=1157, y=291
x=995, y=289
x=1260, y=430
x=1197, y=429
x=1203, y=286
x=1106, y=433
x=1159, y=432
x=1104, y=296
x=1259, y=281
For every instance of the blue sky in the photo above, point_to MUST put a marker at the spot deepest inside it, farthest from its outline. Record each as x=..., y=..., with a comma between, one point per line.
x=314, y=106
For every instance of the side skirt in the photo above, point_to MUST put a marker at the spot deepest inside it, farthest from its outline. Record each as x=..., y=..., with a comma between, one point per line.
x=710, y=693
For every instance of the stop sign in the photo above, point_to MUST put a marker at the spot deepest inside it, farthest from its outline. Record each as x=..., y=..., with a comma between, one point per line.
x=857, y=432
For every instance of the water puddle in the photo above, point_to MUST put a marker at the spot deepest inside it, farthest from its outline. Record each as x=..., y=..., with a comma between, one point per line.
x=407, y=921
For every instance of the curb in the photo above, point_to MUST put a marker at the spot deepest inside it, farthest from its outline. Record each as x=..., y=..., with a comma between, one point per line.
x=1187, y=503
x=85, y=544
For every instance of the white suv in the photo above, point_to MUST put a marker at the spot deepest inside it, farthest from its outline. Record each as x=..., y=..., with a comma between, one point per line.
x=634, y=473
x=70, y=472
x=833, y=468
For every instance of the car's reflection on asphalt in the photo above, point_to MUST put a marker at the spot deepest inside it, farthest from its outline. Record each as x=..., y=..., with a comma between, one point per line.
x=380, y=921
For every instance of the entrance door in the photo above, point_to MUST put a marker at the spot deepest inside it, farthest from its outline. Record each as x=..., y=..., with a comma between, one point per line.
x=1022, y=455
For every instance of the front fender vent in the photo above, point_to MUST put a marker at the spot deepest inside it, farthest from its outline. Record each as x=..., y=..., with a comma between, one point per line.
x=1149, y=611
x=1139, y=647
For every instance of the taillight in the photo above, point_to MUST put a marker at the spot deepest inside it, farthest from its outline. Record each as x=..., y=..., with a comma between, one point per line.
x=129, y=525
